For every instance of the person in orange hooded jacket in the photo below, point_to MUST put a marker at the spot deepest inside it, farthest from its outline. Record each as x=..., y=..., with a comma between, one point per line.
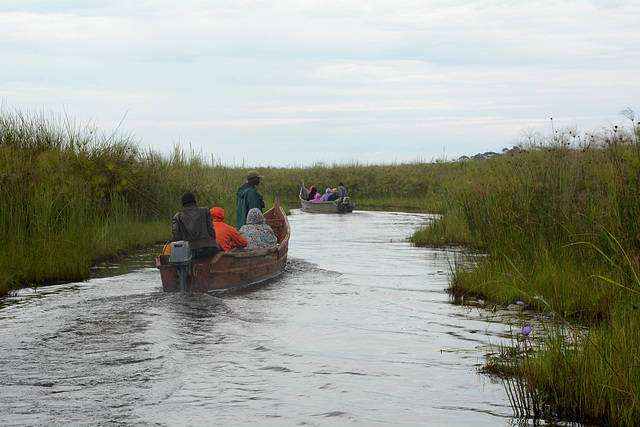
x=227, y=236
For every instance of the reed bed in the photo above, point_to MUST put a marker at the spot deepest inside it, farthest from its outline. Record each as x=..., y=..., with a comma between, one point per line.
x=558, y=224
x=556, y=221
x=73, y=195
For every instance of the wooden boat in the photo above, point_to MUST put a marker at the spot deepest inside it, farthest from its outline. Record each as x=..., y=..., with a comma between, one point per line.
x=336, y=206
x=228, y=270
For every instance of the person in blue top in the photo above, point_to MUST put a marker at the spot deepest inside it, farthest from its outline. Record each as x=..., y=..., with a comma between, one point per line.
x=248, y=198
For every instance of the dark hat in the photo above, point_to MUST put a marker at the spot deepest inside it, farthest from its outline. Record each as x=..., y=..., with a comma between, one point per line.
x=253, y=174
x=188, y=198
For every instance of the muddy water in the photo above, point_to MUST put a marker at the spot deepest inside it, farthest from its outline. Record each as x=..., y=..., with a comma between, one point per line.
x=359, y=330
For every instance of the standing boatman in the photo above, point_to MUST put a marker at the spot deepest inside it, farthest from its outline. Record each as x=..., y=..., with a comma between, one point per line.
x=342, y=192
x=248, y=198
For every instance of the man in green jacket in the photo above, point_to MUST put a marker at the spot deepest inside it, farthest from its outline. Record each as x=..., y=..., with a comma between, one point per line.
x=248, y=198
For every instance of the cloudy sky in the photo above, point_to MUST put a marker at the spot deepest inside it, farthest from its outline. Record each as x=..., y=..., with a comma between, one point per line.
x=296, y=82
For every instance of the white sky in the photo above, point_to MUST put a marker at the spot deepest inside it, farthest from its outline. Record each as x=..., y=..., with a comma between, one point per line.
x=292, y=83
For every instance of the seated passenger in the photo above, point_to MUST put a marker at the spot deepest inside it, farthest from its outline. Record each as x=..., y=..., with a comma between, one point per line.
x=312, y=193
x=318, y=198
x=334, y=195
x=326, y=195
x=193, y=223
x=258, y=234
x=227, y=236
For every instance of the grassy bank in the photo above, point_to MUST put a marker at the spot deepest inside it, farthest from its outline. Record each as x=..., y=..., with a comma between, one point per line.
x=72, y=195
x=559, y=225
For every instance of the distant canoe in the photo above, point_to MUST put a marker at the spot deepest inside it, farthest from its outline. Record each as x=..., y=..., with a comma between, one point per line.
x=228, y=270
x=324, y=207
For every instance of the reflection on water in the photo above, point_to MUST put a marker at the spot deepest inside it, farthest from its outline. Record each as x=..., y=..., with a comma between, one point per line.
x=359, y=330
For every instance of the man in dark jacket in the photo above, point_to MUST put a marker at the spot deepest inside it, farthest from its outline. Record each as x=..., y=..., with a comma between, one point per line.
x=194, y=224
x=248, y=198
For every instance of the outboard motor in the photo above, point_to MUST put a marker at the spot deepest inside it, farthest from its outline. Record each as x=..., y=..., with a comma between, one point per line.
x=180, y=257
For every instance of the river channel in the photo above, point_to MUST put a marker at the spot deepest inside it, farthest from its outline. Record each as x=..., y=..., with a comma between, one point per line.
x=359, y=330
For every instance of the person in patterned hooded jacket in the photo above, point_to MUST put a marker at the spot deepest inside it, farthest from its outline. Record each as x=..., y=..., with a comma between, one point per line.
x=258, y=234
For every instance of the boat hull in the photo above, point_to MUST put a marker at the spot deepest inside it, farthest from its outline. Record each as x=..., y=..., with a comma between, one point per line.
x=229, y=270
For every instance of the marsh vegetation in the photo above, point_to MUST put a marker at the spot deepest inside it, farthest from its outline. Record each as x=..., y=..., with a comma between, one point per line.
x=557, y=221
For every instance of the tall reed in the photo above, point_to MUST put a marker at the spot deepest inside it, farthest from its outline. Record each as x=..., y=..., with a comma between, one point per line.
x=70, y=195
x=558, y=223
